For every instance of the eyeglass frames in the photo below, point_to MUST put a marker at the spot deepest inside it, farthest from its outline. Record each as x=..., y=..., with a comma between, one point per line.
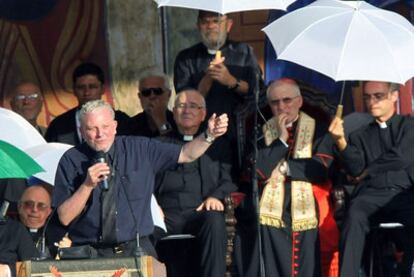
x=284, y=100
x=376, y=97
x=30, y=204
x=147, y=92
x=191, y=106
x=30, y=97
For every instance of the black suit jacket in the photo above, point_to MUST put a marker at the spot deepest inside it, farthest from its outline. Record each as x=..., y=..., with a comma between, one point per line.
x=314, y=169
x=138, y=125
x=385, y=168
x=63, y=127
x=215, y=170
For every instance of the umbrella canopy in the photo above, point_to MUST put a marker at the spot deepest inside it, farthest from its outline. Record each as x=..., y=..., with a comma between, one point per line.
x=18, y=131
x=346, y=40
x=14, y=163
x=48, y=156
x=227, y=6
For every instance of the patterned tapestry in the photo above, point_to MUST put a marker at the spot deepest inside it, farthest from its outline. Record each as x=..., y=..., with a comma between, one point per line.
x=42, y=41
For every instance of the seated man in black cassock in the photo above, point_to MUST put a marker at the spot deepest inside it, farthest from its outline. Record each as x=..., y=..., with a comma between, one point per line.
x=379, y=157
x=15, y=245
x=156, y=119
x=191, y=195
x=294, y=158
x=34, y=209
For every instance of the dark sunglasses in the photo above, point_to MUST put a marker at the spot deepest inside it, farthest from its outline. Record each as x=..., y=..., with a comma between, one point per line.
x=29, y=204
x=376, y=97
x=147, y=92
x=284, y=100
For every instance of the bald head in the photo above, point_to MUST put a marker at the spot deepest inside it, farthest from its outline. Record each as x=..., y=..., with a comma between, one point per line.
x=26, y=100
x=284, y=98
x=189, y=111
x=35, y=206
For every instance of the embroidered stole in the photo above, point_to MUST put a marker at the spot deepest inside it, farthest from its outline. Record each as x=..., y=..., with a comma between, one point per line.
x=303, y=208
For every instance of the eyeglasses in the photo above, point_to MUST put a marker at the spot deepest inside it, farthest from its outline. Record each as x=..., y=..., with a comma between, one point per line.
x=147, y=92
x=284, y=100
x=215, y=21
x=191, y=106
x=88, y=87
x=376, y=97
x=29, y=97
x=29, y=204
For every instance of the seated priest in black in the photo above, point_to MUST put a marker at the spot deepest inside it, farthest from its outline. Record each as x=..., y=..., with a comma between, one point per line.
x=15, y=245
x=379, y=157
x=191, y=195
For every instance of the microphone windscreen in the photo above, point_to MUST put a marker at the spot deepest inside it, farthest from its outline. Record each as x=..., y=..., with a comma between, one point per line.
x=100, y=157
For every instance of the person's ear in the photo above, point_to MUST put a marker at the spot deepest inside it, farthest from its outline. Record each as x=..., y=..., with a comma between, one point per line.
x=204, y=114
x=301, y=101
x=116, y=125
x=394, y=95
x=229, y=24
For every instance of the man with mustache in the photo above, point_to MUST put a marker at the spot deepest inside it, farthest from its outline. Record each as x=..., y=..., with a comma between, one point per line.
x=226, y=82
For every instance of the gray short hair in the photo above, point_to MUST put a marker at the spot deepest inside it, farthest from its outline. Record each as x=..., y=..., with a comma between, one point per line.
x=94, y=105
x=392, y=86
x=203, y=101
x=156, y=74
x=283, y=82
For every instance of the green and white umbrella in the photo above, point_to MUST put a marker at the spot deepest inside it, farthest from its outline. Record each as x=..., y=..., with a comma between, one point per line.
x=14, y=163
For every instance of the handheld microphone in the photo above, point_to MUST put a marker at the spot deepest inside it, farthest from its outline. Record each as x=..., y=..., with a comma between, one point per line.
x=43, y=255
x=100, y=158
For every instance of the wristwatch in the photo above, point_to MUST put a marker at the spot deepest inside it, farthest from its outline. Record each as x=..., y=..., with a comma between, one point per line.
x=235, y=86
x=208, y=137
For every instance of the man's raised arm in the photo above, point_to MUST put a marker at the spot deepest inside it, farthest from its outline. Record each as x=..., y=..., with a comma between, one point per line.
x=217, y=126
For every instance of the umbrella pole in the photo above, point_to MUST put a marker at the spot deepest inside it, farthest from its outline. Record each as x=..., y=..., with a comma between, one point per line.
x=164, y=40
x=218, y=53
x=255, y=184
x=340, y=108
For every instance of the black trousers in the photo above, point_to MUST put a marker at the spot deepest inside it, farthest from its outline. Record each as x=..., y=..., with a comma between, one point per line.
x=210, y=231
x=367, y=206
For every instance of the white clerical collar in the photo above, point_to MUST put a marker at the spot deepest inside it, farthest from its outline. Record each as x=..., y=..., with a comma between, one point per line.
x=290, y=124
x=187, y=138
x=212, y=51
x=382, y=125
x=33, y=230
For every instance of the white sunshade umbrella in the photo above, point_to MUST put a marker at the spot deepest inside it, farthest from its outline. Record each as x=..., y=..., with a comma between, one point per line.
x=227, y=6
x=48, y=156
x=346, y=40
x=18, y=131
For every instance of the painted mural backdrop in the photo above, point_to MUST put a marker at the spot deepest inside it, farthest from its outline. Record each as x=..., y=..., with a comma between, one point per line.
x=43, y=41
